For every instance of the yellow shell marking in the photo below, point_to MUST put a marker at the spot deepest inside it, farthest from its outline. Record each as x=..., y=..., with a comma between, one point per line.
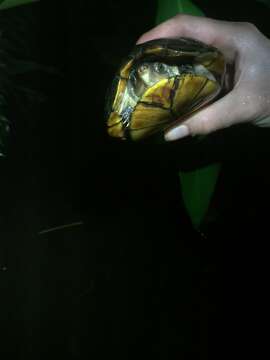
x=159, y=93
x=119, y=93
x=124, y=73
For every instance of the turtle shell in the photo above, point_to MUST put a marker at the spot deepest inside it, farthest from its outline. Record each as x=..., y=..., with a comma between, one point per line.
x=162, y=81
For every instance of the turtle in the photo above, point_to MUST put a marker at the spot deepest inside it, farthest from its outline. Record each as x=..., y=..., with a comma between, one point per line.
x=162, y=82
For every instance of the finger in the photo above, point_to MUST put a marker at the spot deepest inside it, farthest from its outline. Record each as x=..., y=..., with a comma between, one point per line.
x=210, y=31
x=221, y=114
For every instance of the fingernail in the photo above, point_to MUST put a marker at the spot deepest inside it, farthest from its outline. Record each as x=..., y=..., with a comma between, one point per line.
x=177, y=133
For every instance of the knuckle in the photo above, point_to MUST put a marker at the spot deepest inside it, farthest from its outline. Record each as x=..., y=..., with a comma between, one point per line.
x=201, y=126
x=180, y=17
x=248, y=27
x=245, y=33
x=244, y=24
x=205, y=128
x=247, y=24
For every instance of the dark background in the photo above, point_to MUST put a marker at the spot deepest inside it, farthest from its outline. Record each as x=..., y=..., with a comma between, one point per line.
x=135, y=280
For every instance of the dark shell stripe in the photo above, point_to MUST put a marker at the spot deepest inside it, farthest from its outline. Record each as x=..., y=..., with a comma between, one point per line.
x=199, y=91
x=175, y=87
x=152, y=105
x=193, y=103
x=210, y=63
x=149, y=126
x=185, y=44
x=116, y=123
x=149, y=106
x=172, y=95
x=151, y=129
x=201, y=102
x=198, y=104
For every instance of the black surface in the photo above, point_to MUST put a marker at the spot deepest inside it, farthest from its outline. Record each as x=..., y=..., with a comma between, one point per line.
x=135, y=280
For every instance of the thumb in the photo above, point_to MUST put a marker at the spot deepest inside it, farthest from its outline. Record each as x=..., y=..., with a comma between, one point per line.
x=221, y=114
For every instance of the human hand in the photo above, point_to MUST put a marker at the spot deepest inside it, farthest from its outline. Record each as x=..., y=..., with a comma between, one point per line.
x=247, y=50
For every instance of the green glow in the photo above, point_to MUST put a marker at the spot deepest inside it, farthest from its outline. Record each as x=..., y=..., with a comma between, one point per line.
x=197, y=186
x=5, y=4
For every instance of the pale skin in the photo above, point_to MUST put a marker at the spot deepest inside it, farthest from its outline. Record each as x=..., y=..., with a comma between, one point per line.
x=244, y=47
